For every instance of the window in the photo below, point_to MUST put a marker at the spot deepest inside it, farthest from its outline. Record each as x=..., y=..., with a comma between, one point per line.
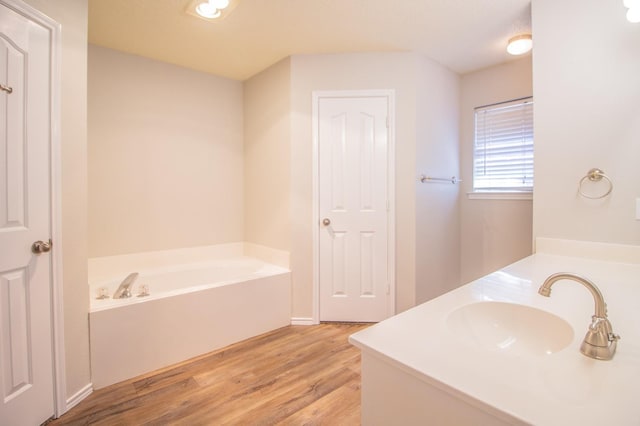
x=503, y=148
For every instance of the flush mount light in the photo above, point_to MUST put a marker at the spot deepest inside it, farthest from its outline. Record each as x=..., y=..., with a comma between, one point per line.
x=210, y=10
x=207, y=10
x=633, y=14
x=520, y=44
x=219, y=4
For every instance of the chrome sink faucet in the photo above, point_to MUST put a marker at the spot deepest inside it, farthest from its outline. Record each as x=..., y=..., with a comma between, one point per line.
x=600, y=342
x=124, y=289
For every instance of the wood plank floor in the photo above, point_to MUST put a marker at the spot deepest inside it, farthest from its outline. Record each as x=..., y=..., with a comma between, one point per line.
x=296, y=375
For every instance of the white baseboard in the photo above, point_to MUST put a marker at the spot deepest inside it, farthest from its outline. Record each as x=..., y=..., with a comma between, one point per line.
x=302, y=321
x=76, y=398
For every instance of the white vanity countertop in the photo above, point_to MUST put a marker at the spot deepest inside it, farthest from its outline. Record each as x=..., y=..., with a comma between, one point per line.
x=562, y=388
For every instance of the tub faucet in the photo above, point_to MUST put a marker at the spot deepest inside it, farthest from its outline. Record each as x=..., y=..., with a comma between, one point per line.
x=600, y=342
x=124, y=289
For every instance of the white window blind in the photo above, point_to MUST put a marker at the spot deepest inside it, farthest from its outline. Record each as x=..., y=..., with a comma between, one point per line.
x=503, y=148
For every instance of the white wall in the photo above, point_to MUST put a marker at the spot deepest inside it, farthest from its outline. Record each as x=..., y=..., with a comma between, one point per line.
x=587, y=114
x=72, y=15
x=437, y=154
x=267, y=145
x=165, y=156
x=493, y=233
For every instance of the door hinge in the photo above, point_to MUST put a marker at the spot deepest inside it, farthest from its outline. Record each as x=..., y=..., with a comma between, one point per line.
x=388, y=289
x=387, y=122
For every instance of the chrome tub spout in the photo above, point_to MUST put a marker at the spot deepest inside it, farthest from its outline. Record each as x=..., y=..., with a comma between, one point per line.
x=124, y=289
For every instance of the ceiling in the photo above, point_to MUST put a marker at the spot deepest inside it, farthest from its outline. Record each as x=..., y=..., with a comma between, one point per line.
x=463, y=35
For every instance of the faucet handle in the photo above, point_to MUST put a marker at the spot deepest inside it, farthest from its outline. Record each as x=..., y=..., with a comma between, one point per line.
x=600, y=342
x=598, y=332
x=599, y=323
x=613, y=337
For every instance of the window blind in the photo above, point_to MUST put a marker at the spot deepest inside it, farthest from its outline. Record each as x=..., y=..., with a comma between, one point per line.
x=503, y=148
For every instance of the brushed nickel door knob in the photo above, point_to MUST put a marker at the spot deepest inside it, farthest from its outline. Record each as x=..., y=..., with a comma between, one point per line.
x=326, y=221
x=41, y=247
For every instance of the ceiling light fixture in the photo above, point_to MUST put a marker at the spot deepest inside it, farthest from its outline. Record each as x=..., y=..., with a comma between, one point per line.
x=207, y=10
x=520, y=44
x=633, y=14
x=220, y=4
x=210, y=10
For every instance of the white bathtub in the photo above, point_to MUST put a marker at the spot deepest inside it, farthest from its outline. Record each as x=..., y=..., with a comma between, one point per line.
x=194, y=307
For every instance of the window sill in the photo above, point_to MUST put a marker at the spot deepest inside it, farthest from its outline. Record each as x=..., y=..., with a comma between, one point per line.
x=500, y=195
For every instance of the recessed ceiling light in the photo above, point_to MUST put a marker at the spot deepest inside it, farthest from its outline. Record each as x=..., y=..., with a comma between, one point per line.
x=633, y=15
x=207, y=10
x=220, y=4
x=520, y=44
x=211, y=10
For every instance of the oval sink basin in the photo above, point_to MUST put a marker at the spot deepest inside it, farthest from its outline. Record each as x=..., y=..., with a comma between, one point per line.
x=510, y=328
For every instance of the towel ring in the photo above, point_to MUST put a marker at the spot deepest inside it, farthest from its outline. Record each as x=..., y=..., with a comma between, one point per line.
x=595, y=175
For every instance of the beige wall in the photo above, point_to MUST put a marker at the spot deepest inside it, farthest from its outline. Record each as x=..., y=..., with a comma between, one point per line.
x=493, y=233
x=165, y=156
x=437, y=154
x=267, y=145
x=405, y=73
x=72, y=15
x=587, y=115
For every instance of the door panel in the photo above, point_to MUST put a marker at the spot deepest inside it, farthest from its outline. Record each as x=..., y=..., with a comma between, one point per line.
x=12, y=183
x=353, y=197
x=14, y=305
x=26, y=389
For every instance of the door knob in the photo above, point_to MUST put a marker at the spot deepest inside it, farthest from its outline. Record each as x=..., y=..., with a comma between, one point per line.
x=326, y=221
x=41, y=247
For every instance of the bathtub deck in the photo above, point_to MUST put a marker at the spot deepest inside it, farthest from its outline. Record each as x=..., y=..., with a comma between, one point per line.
x=293, y=375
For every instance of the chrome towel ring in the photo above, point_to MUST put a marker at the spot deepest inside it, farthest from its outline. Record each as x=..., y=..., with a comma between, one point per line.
x=595, y=175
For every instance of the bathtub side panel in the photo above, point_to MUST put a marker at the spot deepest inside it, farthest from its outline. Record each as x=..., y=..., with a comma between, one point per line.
x=139, y=338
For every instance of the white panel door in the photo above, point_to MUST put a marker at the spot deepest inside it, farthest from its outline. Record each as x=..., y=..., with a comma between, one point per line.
x=26, y=370
x=353, y=208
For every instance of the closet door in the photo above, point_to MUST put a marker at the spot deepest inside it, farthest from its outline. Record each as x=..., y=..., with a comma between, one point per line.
x=353, y=176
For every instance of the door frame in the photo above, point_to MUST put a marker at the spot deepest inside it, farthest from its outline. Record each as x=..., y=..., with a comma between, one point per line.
x=55, y=206
x=317, y=95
